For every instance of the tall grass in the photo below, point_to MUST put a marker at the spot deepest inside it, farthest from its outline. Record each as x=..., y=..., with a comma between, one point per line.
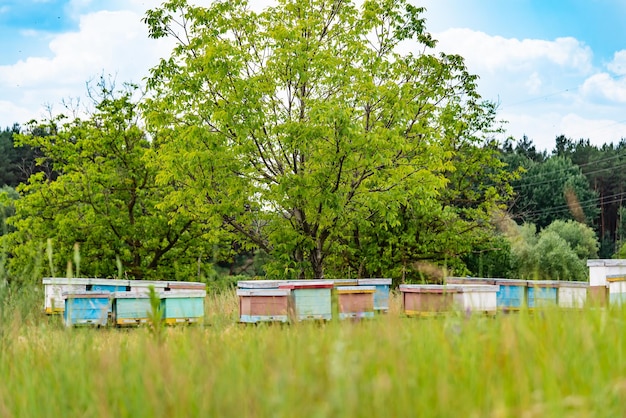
x=553, y=363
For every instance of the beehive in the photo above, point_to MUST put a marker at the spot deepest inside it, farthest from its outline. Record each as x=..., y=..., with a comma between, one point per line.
x=425, y=300
x=381, y=296
x=477, y=298
x=542, y=293
x=86, y=308
x=355, y=301
x=512, y=294
x=183, y=307
x=617, y=289
x=130, y=308
x=309, y=299
x=572, y=294
x=599, y=270
x=263, y=305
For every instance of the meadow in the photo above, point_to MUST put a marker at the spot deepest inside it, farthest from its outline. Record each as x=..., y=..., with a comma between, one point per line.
x=553, y=363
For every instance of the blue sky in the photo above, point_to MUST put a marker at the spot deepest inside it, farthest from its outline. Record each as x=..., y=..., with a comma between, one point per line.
x=554, y=67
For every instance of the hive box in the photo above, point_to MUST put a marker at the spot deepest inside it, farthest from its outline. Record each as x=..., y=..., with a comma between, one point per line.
x=572, y=294
x=183, y=306
x=424, y=300
x=355, y=301
x=263, y=305
x=130, y=308
x=477, y=298
x=86, y=308
x=542, y=293
x=309, y=299
x=599, y=270
x=381, y=296
x=54, y=288
x=511, y=294
x=617, y=289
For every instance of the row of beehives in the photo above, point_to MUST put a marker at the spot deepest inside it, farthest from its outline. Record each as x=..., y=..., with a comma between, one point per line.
x=491, y=295
x=300, y=300
x=122, y=302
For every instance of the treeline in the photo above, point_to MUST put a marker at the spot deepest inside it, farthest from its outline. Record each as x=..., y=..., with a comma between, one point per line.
x=574, y=181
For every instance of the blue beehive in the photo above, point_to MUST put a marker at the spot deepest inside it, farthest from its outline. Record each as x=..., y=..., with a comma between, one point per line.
x=542, y=293
x=183, y=306
x=511, y=295
x=310, y=299
x=130, y=308
x=381, y=295
x=86, y=308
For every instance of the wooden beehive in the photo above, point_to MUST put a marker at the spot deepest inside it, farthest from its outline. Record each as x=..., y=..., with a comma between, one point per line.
x=542, y=293
x=572, y=294
x=130, y=308
x=617, y=289
x=477, y=298
x=355, y=301
x=263, y=305
x=309, y=299
x=381, y=296
x=183, y=307
x=86, y=308
x=512, y=294
x=425, y=300
x=54, y=289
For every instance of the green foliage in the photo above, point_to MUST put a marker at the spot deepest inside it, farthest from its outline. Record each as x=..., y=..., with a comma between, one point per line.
x=103, y=197
x=558, y=252
x=304, y=132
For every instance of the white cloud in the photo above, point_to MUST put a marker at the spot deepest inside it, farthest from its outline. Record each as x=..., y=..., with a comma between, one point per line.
x=489, y=54
x=618, y=65
x=602, y=87
x=109, y=42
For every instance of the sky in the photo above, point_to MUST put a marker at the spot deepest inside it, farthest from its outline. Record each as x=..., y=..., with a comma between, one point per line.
x=554, y=67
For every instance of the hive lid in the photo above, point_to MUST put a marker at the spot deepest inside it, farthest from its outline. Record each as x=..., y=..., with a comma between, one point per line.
x=356, y=289
x=186, y=285
x=183, y=294
x=543, y=283
x=259, y=284
x=346, y=282
x=86, y=295
x=307, y=284
x=133, y=295
x=429, y=288
x=469, y=280
x=511, y=282
x=608, y=262
x=263, y=292
x=64, y=281
x=468, y=288
x=374, y=281
x=147, y=283
x=108, y=282
x=573, y=284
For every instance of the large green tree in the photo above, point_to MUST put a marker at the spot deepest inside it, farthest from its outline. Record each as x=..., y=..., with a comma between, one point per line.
x=315, y=126
x=102, y=201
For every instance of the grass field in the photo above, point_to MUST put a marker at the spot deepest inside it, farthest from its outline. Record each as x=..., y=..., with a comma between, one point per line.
x=549, y=364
